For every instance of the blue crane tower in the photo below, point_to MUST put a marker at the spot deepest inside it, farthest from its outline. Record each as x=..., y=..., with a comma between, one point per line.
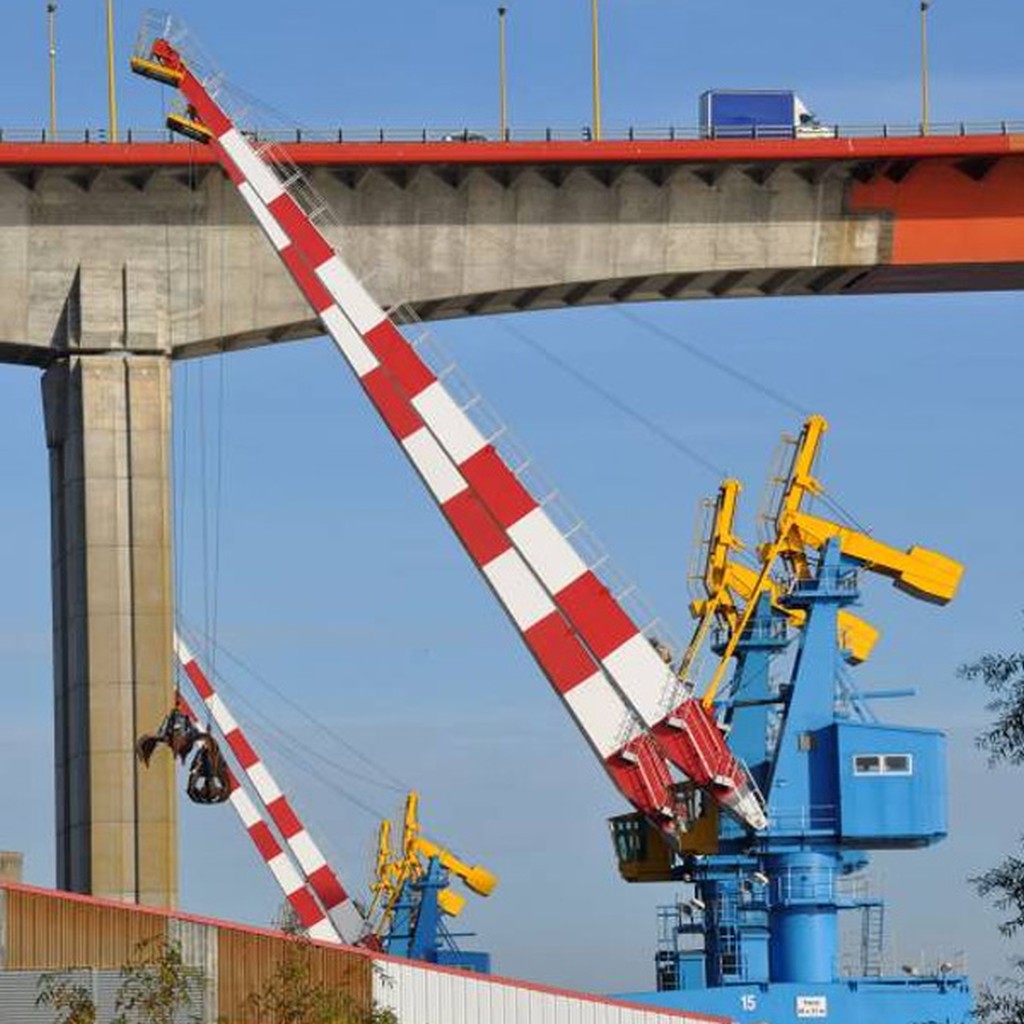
x=760, y=938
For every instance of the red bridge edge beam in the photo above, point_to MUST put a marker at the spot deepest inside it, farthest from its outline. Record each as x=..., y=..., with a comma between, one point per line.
x=177, y=154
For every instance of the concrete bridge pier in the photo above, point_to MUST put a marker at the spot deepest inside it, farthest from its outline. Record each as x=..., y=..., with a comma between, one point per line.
x=107, y=411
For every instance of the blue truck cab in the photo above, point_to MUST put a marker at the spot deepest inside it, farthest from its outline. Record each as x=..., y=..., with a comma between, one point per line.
x=757, y=114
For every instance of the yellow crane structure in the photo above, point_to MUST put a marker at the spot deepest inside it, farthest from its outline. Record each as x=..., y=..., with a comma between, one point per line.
x=799, y=535
x=729, y=592
x=920, y=572
x=423, y=865
x=730, y=584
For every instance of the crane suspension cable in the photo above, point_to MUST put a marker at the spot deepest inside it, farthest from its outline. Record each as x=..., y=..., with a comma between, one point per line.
x=251, y=105
x=285, y=736
x=396, y=784
x=710, y=360
x=292, y=754
x=626, y=409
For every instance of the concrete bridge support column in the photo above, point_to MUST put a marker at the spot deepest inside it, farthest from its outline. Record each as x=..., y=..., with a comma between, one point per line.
x=108, y=432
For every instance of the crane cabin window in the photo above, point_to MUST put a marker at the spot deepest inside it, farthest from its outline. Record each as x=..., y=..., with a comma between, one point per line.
x=883, y=764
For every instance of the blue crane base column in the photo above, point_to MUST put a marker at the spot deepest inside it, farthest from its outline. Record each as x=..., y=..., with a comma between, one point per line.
x=803, y=917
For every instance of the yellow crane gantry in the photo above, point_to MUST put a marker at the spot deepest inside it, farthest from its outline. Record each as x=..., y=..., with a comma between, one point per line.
x=798, y=535
x=395, y=870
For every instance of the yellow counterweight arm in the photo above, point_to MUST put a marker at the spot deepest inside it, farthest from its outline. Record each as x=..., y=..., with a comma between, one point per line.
x=477, y=878
x=415, y=844
x=919, y=571
x=928, y=575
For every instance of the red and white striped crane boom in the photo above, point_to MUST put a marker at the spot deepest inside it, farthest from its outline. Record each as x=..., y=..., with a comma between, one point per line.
x=345, y=919
x=289, y=878
x=627, y=701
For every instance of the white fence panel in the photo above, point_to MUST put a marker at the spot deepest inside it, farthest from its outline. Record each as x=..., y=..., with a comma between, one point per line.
x=422, y=994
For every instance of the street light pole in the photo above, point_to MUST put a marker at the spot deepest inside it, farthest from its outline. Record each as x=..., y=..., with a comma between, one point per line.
x=596, y=54
x=111, y=81
x=925, y=106
x=502, y=76
x=51, y=19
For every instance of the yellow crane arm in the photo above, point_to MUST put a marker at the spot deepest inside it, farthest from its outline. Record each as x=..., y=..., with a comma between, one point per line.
x=477, y=878
x=383, y=849
x=722, y=541
x=920, y=572
x=415, y=845
x=386, y=875
x=800, y=481
x=728, y=582
x=925, y=574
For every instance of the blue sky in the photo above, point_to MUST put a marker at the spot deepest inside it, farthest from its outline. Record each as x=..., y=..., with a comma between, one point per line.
x=337, y=579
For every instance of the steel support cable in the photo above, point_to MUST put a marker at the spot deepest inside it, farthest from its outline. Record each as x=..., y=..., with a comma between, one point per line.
x=204, y=526
x=270, y=725
x=841, y=513
x=218, y=488
x=181, y=519
x=552, y=269
x=286, y=748
x=179, y=511
x=288, y=752
x=627, y=410
x=191, y=236
x=719, y=364
x=297, y=743
x=394, y=784
x=253, y=104
x=209, y=406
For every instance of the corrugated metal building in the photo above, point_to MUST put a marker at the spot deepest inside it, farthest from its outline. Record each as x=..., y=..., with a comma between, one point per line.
x=42, y=931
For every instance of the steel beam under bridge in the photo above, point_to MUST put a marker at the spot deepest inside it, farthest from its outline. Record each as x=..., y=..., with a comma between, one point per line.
x=115, y=259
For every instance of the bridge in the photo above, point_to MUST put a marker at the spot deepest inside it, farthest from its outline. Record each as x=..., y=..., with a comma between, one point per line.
x=117, y=259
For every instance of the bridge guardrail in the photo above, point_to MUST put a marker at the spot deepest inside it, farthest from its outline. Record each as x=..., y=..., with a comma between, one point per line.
x=563, y=134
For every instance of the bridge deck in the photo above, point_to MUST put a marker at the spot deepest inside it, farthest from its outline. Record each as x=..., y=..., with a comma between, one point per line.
x=177, y=154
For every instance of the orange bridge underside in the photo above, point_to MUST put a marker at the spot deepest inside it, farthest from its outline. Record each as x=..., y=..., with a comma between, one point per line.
x=954, y=225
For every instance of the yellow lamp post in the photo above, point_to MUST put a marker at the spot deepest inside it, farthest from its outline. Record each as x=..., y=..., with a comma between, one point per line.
x=596, y=59
x=502, y=76
x=51, y=25
x=925, y=106
x=111, y=78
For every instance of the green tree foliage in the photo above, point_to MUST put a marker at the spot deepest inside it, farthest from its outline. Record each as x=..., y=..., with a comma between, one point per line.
x=1002, y=675
x=292, y=995
x=158, y=987
x=1004, y=1003
x=71, y=1002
